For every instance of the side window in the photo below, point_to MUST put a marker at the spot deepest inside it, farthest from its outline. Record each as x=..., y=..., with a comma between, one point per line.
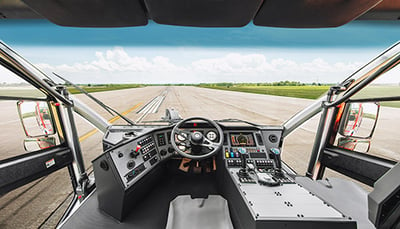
x=370, y=121
x=26, y=119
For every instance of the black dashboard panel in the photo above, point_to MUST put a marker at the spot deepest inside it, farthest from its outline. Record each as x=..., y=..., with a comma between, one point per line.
x=256, y=144
x=133, y=152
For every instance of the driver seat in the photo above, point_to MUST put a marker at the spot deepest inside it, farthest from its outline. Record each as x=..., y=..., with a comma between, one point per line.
x=199, y=213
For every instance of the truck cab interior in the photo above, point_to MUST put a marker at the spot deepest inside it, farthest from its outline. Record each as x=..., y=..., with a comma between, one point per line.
x=201, y=173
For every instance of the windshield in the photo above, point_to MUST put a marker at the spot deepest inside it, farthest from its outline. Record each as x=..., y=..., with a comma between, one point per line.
x=143, y=71
x=262, y=75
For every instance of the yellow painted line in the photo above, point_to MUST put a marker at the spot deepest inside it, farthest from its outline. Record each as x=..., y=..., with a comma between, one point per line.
x=115, y=118
x=87, y=135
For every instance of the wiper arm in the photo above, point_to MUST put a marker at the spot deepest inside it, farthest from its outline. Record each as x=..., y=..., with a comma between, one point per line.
x=109, y=109
x=236, y=120
x=157, y=121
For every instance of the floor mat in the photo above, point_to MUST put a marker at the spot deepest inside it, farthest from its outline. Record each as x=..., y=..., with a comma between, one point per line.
x=201, y=213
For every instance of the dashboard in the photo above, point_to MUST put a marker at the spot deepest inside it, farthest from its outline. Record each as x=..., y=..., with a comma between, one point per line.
x=246, y=166
x=137, y=151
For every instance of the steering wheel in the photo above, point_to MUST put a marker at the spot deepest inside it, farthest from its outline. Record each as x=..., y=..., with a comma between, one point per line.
x=195, y=141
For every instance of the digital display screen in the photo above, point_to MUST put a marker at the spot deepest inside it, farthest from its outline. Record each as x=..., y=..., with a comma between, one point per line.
x=161, y=139
x=242, y=139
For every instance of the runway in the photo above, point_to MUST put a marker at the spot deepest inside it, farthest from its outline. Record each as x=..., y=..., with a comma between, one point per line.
x=30, y=206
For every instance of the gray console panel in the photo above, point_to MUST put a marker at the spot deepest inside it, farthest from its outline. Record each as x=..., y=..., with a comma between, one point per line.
x=288, y=202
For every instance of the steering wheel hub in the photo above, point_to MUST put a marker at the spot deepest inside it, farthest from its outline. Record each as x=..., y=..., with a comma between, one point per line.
x=196, y=138
x=193, y=144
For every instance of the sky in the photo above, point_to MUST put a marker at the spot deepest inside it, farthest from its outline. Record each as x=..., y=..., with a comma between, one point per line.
x=171, y=54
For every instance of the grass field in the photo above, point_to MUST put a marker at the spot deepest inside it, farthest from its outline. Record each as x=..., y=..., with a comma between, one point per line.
x=307, y=91
x=381, y=91
x=100, y=88
x=313, y=92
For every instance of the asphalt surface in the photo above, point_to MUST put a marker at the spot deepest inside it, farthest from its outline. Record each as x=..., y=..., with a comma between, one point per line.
x=32, y=205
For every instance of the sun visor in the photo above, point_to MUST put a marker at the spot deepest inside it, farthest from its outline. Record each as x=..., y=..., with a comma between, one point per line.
x=91, y=13
x=311, y=13
x=203, y=13
x=386, y=10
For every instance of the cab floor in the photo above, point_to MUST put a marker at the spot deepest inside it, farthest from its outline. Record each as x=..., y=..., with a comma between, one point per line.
x=152, y=211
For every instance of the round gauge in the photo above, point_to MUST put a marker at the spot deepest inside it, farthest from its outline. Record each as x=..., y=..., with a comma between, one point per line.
x=181, y=137
x=242, y=139
x=182, y=147
x=211, y=135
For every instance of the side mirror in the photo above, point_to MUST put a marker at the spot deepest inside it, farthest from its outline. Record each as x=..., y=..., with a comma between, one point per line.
x=34, y=144
x=36, y=118
x=359, y=120
x=357, y=126
x=354, y=144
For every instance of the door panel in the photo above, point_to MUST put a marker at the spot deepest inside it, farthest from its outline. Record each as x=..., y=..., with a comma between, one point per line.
x=362, y=167
x=20, y=170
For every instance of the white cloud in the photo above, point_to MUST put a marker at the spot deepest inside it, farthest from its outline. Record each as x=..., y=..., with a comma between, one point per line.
x=116, y=60
x=233, y=67
x=259, y=69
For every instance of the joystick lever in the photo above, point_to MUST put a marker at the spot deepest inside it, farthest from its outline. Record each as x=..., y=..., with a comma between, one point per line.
x=278, y=161
x=243, y=165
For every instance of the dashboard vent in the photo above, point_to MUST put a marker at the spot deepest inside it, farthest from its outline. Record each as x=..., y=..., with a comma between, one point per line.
x=259, y=139
x=273, y=138
x=225, y=139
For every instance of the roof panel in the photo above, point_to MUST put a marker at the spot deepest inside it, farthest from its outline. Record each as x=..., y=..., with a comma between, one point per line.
x=203, y=13
x=311, y=13
x=91, y=13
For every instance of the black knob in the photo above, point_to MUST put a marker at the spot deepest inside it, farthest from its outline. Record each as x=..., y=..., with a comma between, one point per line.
x=134, y=154
x=163, y=152
x=130, y=164
x=171, y=150
x=104, y=165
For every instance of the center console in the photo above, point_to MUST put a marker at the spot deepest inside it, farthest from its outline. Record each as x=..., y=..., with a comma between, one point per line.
x=269, y=194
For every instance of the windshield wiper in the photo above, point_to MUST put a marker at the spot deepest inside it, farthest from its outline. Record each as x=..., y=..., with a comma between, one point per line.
x=236, y=120
x=109, y=109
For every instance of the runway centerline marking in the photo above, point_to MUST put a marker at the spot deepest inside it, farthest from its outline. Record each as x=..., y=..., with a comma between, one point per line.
x=112, y=120
x=152, y=106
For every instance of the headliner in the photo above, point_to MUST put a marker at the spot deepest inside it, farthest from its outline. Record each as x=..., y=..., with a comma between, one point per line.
x=202, y=13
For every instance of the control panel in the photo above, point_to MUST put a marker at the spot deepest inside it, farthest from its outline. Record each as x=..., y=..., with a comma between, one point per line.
x=255, y=156
x=256, y=144
x=133, y=159
x=164, y=143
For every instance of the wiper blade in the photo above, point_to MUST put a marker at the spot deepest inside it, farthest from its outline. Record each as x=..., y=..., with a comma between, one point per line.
x=236, y=120
x=157, y=121
x=109, y=109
